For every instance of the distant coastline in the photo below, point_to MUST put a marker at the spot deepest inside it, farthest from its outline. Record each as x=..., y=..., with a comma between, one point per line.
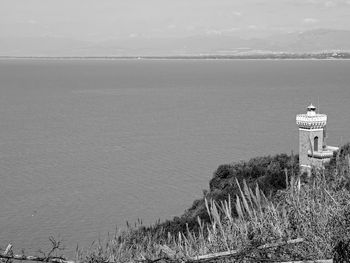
x=277, y=55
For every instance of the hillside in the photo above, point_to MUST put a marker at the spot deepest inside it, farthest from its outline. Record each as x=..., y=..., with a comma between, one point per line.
x=250, y=204
x=261, y=210
x=268, y=172
x=194, y=45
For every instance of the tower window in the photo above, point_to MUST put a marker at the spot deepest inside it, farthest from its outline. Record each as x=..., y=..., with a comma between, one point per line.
x=316, y=144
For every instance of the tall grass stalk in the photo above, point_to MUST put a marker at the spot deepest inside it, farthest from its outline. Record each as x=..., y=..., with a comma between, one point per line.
x=309, y=210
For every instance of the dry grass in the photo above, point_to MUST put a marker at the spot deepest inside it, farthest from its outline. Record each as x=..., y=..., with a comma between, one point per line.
x=316, y=210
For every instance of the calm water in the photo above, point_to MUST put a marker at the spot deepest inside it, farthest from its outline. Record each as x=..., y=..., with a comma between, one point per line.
x=88, y=145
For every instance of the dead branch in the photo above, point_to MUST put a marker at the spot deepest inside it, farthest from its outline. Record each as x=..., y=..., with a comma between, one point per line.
x=171, y=256
x=232, y=253
x=39, y=259
x=56, y=245
x=310, y=261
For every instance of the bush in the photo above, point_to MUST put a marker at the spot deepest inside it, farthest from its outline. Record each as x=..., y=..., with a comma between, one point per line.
x=235, y=214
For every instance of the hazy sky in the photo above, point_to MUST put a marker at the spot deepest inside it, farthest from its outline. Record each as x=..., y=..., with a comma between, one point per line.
x=104, y=19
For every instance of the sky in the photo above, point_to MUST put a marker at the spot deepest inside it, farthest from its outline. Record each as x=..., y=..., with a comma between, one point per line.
x=101, y=20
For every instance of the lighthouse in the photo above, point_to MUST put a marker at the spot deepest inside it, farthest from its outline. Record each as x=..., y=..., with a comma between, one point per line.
x=313, y=149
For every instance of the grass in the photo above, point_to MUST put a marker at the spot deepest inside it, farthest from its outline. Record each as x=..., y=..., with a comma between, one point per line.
x=313, y=210
x=316, y=208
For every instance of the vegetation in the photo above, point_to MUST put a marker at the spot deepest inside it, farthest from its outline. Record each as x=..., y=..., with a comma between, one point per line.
x=249, y=204
x=269, y=172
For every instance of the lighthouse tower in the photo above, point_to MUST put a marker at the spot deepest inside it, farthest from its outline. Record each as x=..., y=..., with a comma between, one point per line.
x=313, y=150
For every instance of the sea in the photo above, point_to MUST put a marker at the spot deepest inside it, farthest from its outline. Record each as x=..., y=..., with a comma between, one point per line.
x=88, y=145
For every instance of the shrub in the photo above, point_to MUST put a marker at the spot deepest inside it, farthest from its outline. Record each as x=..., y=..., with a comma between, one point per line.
x=236, y=214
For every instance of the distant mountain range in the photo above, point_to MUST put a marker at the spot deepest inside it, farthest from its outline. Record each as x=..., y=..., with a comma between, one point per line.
x=298, y=42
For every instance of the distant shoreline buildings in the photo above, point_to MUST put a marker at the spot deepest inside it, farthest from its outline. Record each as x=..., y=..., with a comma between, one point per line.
x=326, y=55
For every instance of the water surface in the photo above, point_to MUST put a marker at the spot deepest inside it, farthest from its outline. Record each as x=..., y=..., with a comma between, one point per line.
x=88, y=145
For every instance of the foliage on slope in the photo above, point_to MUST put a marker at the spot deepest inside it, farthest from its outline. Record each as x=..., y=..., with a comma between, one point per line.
x=270, y=172
x=316, y=208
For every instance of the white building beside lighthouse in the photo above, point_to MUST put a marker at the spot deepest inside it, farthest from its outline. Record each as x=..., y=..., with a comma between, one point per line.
x=313, y=150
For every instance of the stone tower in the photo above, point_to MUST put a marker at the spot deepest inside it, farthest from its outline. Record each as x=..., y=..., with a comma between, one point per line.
x=313, y=150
